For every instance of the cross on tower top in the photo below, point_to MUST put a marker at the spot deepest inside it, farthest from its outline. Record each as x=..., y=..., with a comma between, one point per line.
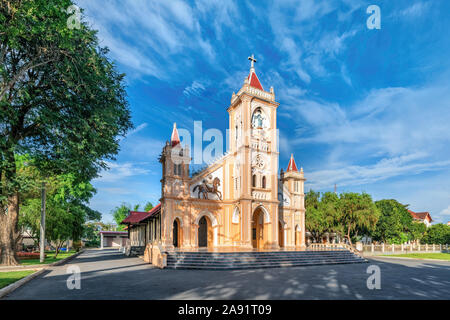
x=253, y=60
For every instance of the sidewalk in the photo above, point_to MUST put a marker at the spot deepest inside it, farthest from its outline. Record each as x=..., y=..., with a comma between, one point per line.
x=37, y=266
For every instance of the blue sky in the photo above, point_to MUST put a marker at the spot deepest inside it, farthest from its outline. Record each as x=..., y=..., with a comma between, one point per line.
x=368, y=110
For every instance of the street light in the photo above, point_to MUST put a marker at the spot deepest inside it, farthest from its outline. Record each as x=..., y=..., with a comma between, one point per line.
x=42, y=239
x=42, y=229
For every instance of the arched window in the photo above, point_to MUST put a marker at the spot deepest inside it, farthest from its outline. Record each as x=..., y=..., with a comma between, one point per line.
x=177, y=169
x=264, y=182
x=254, y=181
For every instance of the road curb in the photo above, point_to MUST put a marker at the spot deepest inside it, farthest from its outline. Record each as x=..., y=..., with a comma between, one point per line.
x=408, y=258
x=13, y=286
x=57, y=263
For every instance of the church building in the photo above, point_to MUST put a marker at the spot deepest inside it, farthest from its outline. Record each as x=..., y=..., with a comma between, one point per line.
x=242, y=201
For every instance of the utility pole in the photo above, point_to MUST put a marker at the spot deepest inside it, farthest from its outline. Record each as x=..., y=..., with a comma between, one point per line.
x=42, y=240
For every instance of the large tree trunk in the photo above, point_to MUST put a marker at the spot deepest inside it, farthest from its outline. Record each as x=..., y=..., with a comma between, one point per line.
x=9, y=232
x=348, y=234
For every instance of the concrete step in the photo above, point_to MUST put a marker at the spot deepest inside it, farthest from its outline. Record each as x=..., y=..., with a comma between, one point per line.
x=263, y=266
x=237, y=255
x=261, y=259
x=250, y=259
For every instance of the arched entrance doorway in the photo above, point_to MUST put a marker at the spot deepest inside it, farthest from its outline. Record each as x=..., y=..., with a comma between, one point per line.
x=280, y=234
x=205, y=236
x=176, y=233
x=258, y=229
x=297, y=236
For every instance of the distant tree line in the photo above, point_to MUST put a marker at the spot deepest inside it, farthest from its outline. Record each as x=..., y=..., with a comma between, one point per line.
x=355, y=215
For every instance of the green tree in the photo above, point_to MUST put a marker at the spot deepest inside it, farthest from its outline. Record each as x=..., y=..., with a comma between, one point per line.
x=417, y=231
x=437, y=234
x=66, y=209
x=358, y=212
x=121, y=212
x=61, y=101
x=322, y=212
x=313, y=215
x=394, y=222
x=148, y=206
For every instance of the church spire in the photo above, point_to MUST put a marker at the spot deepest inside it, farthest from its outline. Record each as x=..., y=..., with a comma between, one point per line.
x=252, y=77
x=175, y=139
x=292, y=166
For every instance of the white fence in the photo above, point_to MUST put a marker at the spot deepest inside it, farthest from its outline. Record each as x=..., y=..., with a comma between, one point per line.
x=381, y=249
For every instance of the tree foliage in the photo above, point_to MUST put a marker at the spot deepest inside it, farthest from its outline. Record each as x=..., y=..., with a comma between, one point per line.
x=61, y=101
x=66, y=205
x=437, y=234
x=347, y=214
x=394, y=223
x=358, y=213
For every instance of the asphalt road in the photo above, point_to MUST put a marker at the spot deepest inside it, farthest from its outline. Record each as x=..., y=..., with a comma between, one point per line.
x=107, y=274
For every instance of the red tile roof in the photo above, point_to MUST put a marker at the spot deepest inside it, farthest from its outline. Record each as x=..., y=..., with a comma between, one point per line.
x=292, y=166
x=139, y=216
x=420, y=215
x=114, y=232
x=254, y=81
x=175, y=139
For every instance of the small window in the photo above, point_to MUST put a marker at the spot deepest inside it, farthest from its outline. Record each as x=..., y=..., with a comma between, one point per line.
x=177, y=169
x=254, y=181
x=264, y=182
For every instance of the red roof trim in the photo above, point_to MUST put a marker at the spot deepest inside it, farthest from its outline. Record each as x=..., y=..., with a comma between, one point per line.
x=175, y=138
x=292, y=166
x=254, y=81
x=114, y=232
x=420, y=215
x=139, y=216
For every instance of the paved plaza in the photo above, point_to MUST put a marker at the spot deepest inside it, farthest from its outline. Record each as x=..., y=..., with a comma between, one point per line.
x=108, y=274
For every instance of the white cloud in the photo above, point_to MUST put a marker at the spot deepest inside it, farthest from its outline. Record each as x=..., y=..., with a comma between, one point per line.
x=391, y=121
x=195, y=89
x=225, y=13
x=138, y=32
x=392, y=132
x=140, y=127
x=417, y=9
x=446, y=211
x=385, y=169
x=306, y=44
x=120, y=171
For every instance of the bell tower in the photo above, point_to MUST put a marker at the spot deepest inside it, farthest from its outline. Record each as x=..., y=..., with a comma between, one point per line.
x=174, y=183
x=292, y=208
x=254, y=145
x=175, y=165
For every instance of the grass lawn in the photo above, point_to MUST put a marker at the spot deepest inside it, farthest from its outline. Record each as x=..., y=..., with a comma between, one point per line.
x=440, y=256
x=49, y=258
x=7, y=278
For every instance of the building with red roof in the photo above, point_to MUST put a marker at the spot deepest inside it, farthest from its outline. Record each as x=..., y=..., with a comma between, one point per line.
x=423, y=217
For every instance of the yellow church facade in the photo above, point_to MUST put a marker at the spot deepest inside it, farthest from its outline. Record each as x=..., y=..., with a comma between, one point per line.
x=242, y=201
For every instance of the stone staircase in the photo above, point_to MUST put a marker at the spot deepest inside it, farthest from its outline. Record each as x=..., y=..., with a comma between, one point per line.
x=258, y=259
x=134, y=251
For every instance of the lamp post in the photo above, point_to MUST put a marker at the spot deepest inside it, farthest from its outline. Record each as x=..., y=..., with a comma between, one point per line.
x=42, y=240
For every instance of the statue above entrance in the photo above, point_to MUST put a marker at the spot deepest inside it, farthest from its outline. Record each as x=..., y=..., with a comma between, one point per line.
x=207, y=187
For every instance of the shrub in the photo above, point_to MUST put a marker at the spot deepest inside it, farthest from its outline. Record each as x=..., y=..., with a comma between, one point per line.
x=23, y=255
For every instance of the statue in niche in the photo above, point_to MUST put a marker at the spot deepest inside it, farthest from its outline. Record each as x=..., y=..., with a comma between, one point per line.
x=208, y=185
x=258, y=119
